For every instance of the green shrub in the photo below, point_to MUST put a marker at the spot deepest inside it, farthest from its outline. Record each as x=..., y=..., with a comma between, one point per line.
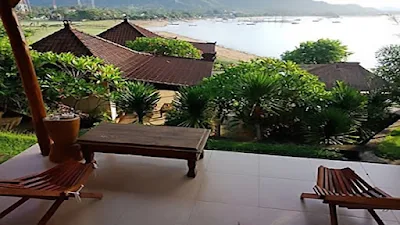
x=191, y=108
x=11, y=144
x=307, y=151
x=164, y=46
x=139, y=98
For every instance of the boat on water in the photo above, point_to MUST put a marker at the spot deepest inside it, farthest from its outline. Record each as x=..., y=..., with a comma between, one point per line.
x=192, y=25
x=295, y=23
x=317, y=20
x=336, y=21
x=174, y=24
x=250, y=24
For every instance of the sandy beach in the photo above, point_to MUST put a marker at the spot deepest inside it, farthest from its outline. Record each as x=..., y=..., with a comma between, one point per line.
x=225, y=54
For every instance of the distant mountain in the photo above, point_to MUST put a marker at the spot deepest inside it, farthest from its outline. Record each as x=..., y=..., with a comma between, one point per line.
x=390, y=9
x=279, y=7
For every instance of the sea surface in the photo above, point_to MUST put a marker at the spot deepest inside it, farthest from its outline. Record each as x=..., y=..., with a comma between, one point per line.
x=271, y=37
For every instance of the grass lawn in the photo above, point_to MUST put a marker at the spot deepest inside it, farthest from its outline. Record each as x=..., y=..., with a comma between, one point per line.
x=390, y=147
x=306, y=151
x=11, y=144
x=90, y=27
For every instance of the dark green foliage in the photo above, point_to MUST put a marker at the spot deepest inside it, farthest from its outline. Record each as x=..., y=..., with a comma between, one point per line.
x=378, y=113
x=138, y=98
x=258, y=95
x=318, y=52
x=389, y=69
x=191, y=108
x=332, y=126
x=164, y=46
x=339, y=121
x=308, y=151
x=273, y=95
x=221, y=89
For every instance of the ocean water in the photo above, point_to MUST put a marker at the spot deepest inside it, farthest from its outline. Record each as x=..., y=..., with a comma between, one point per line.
x=363, y=35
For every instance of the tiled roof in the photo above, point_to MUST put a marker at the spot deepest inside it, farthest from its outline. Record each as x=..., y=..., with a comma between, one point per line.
x=126, y=31
x=351, y=73
x=171, y=71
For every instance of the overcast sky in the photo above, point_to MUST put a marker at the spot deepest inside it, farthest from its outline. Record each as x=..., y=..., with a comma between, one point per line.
x=369, y=3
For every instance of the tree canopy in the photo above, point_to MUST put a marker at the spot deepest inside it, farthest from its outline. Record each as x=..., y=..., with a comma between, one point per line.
x=164, y=46
x=389, y=69
x=318, y=52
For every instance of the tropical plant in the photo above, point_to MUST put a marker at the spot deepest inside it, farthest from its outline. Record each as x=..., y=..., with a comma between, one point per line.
x=164, y=46
x=60, y=76
x=258, y=96
x=339, y=122
x=351, y=101
x=318, y=52
x=139, y=98
x=332, y=126
x=297, y=92
x=378, y=114
x=389, y=69
x=221, y=88
x=191, y=108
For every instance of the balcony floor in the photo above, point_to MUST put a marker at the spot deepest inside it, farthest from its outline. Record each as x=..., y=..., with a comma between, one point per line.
x=230, y=188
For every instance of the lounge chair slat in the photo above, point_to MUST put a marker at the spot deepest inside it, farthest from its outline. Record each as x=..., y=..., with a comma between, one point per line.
x=344, y=188
x=341, y=184
x=53, y=184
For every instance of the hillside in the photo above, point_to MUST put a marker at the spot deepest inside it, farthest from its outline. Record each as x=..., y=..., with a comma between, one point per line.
x=278, y=7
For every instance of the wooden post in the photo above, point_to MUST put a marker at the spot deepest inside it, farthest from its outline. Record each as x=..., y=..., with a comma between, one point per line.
x=26, y=71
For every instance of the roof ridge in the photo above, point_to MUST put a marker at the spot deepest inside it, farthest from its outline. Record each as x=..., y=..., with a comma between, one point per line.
x=111, y=28
x=110, y=42
x=69, y=29
x=135, y=26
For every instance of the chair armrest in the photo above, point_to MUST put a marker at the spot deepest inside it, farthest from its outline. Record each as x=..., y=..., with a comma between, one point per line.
x=364, y=202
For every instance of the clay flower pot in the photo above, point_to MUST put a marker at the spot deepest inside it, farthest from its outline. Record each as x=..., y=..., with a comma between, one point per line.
x=64, y=133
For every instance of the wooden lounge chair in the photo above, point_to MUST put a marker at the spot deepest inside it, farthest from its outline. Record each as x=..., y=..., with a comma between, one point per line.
x=344, y=188
x=58, y=184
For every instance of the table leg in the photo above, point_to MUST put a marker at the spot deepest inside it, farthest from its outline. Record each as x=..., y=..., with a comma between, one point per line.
x=192, y=168
x=202, y=155
x=87, y=154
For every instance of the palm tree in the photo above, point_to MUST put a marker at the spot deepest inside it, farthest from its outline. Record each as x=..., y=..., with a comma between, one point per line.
x=340, y=121
x=139, y=98
x=258, y=94
x=191, y=108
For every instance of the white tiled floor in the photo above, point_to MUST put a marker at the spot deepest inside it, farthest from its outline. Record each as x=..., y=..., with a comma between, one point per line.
x=230, y=188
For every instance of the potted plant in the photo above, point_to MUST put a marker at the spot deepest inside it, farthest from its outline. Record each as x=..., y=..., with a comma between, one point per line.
x=63, y=128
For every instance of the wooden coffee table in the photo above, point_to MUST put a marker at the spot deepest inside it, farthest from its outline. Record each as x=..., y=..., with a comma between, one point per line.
x=153, y=141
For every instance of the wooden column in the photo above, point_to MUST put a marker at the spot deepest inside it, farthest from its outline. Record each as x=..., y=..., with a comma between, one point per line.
x=26, y=71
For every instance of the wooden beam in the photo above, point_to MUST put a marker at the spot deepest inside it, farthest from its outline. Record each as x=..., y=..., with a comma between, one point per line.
x=26, y=71
x=13, y=3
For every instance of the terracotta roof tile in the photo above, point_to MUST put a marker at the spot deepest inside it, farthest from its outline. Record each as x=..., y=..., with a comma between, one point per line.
x=349, y=72
x=126, y=31
x=171, y=71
